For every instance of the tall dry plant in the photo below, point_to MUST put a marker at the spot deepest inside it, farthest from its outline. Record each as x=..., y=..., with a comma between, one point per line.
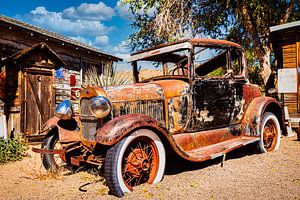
x=109, y=77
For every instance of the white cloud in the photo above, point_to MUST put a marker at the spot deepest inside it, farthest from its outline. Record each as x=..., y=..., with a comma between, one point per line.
x=123, y=47
x=83, y=40
x=123, y=10
x=39, y=11
x=89, y=11
x=102, y=40
x=55, y=21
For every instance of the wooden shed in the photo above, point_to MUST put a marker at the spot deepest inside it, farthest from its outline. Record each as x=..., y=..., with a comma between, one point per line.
x=79, y=58
x=28, y=91
x=285, y=40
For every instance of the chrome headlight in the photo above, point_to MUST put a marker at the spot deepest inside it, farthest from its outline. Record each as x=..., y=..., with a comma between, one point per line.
x=100, y=106
x=64, y=110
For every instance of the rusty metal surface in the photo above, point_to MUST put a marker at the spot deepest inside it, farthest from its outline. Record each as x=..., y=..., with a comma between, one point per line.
x=135, y=92
x=152, y=108
x=250, y=92
x=117, y=128
x=194, y=41
x=178, y=110
x=252, y=119
x=68, y=130
x=89, y=124
x=215, y=102
x=173, y=88
x=190, y=141
x=47, y=151
x=200, y=118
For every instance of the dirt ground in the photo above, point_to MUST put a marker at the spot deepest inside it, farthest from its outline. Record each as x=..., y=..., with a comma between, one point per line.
x=244, y=175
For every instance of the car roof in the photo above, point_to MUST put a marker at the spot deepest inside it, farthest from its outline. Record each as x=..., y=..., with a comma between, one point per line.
x=184, y=43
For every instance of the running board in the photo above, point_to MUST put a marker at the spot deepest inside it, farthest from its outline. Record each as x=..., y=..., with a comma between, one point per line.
x=220, y=149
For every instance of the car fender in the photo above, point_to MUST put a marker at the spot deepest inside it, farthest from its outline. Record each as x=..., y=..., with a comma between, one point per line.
x=68, y=130
x=117, y=128
x=252, y=118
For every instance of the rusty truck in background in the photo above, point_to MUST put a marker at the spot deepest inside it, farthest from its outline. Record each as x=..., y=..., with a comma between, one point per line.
x=200, y=107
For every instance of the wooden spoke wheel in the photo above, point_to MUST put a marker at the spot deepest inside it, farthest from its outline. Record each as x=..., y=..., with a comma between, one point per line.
x=140, y=162
x=137, y=159
x=270, y=133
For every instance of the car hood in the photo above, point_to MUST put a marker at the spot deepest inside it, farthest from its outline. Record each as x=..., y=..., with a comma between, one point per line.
x=156, y=90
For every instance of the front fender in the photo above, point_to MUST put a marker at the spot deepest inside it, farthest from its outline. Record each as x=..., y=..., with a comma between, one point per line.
x=116, y=129
x=252, y=118
x=68, y=130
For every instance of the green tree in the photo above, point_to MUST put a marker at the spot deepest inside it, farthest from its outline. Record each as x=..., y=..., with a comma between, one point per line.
x=241, y=21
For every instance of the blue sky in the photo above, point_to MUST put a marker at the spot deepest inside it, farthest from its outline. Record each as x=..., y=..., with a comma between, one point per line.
x=104, y=24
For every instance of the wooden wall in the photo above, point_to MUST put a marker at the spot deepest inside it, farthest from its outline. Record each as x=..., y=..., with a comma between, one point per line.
x=287, y=56
x=78, y=60
x=63, y=89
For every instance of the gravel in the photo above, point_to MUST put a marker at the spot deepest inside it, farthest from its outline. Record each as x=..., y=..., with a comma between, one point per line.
x=244, y=175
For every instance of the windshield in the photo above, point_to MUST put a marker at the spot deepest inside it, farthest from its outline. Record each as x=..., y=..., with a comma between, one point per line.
x=207, y=61
x=169, y=64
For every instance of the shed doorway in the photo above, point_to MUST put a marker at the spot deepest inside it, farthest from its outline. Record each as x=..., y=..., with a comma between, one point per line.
x=39, y=99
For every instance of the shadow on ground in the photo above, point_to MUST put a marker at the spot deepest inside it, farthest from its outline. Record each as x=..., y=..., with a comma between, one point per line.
x=177, y=165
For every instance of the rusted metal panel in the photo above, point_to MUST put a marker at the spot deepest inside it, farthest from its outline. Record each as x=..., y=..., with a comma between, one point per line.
x=178, y=113
x=213, y=103
x=135, y=92
x=194, y=41
x=188, y=141
x=163, y=49
x=250, y=92
x=252, y=119
x=173, y=88
x=68, y=130
x=117, y=128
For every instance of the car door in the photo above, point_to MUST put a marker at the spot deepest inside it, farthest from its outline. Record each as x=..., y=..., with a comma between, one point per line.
x=217, y=98
x=213, y=103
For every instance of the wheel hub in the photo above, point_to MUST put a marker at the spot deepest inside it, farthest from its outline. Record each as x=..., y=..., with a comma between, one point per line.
x=269, y=134
x=137, y=163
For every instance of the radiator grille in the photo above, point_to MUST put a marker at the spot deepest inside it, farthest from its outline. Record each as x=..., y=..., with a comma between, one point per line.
x=150, y=108
x=89, y=123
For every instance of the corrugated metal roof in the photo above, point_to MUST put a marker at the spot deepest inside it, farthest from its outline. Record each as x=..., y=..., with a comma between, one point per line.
x=53, y=35
x=285, y=26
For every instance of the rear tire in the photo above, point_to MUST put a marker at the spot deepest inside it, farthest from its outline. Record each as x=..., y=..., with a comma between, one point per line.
x=139, y=158
x=270, y=133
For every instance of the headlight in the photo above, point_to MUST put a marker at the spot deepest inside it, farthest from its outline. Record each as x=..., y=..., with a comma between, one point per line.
x=100, y=106
x=64, y=110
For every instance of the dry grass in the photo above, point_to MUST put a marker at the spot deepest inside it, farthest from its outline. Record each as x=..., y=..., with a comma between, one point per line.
x=33, y=169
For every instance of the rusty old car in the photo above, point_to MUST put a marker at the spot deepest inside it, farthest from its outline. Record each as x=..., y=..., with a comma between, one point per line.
x=195, y=102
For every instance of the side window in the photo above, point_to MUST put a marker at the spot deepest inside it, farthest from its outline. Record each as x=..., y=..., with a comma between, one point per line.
x=210, y=61
x=236, y=62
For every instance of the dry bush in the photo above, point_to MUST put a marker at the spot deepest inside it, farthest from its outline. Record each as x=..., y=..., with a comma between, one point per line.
x=109, y=77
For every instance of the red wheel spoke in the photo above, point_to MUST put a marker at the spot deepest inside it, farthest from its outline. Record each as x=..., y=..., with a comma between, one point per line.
x=138, y=166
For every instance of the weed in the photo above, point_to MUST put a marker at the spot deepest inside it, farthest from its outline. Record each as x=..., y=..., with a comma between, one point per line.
x=11, y=150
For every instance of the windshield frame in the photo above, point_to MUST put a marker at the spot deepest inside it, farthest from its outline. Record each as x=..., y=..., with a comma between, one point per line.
x=152, y=53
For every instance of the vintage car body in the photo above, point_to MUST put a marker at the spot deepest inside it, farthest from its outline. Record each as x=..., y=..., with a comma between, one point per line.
x=196, y=116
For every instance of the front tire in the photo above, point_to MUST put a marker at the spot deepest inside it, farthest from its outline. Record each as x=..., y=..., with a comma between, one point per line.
x=270, y=133
x=139, y=158
x=51, y=162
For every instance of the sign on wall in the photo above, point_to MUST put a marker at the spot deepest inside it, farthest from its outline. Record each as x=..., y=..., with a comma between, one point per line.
x=287, y=80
